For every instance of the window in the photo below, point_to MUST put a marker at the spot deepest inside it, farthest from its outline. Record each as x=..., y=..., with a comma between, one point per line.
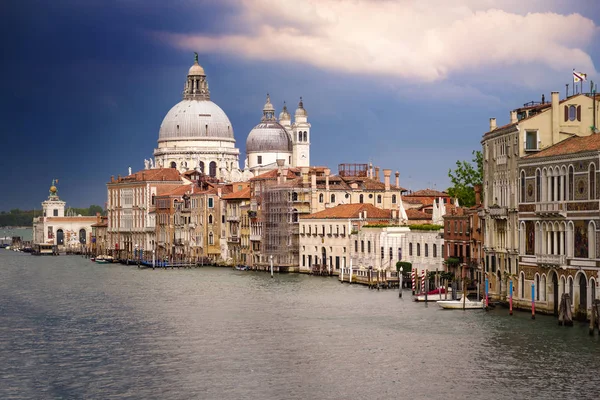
x=382, y=253
x=571, y=183
x=538, y=186
x=426, y=250
x=360, y=198
x=393, y=199
x=434, y=250
x=210, y=219
x=321, y=198
x=410, y=249
x=333, y=198
x=356, y=246
x=391, y=253
x=362, y=246
x=305, y=137
x=211, y=239
x=368, y=246
x=222, y=219
x=418, y=249
x=294, y=196
x=299, y=136
x=201, y=166
x=55, y=212
x=378, y=199
x=531, y=140
x=592, y=188
x=572, y=113
x=210, y=202
x=259, y=159
x=290, y=160
x=173, y=164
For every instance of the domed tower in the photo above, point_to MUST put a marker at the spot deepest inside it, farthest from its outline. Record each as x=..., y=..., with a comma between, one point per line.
x=268, y=142
x=53, y=206
x=301, y=137
x=196, y=133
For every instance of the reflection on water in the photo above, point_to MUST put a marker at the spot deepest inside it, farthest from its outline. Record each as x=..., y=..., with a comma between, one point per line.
x=70, y=328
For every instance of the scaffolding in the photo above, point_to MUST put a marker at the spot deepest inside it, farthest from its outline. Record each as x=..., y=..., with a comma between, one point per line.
x=280, y=227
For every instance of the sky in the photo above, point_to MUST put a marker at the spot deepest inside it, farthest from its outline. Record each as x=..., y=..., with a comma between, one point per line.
x=407, y=85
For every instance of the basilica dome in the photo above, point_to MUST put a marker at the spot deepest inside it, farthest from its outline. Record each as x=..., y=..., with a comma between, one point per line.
x=268, y=137
x=192, y=119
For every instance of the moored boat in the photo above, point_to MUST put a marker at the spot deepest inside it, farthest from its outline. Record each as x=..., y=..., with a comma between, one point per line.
x=104, y=259
x=461, y=304
x=435, y=295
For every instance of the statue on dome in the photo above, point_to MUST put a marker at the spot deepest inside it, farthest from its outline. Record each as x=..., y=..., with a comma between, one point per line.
x=195, y=57
x=146, y=164
x=151, y=161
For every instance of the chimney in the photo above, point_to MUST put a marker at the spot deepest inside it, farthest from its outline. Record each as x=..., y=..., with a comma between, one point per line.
x=365, y=214
x=398, y=179
x=370, y=174
x=112, y=178
x=304, y=171
x=555, y=119
x=377, y=173
x=219, y=191
x=513, y=117
x=543, y=99
x=327, y=172
x=387, y=173
x=492, y=124
x=477, y=195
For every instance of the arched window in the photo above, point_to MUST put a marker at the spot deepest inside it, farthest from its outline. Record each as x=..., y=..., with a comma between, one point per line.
x=426, y=250
x=538, y=185
x=542, y=288
x=418, y=249
x=201, y=166
x=434, y=250
x=592, y=189
x=210, y=219
x=393, y=199
x=82, y=236
x=571, y=183
x=212, y=169
x=173, y=164
x=522, y=284
x=211, y=238
x=320, y=197
x=305, y=137
x=523, y=187
x=294, y=196
x=360, y=198
x=537, y=287
x=378, y=199
x=333, y=198
x=299, y=136
x=410, y=249
x=572, y=113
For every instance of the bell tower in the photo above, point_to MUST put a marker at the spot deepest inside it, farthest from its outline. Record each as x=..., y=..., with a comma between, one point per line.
x=301, y=137
x=53, y=206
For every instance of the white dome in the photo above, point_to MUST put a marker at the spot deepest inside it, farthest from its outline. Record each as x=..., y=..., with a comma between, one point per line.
x=268, y=136
x=196, y=69
x=196, y=120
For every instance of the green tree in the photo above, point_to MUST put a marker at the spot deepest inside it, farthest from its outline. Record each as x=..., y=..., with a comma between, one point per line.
x=95, y=209
x=465, y=177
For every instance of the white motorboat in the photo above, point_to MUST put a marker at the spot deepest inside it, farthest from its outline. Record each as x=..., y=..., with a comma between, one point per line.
x=435, y=295
x=461, y=304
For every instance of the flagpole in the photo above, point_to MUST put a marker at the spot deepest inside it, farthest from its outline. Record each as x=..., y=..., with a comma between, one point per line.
x=574, y=86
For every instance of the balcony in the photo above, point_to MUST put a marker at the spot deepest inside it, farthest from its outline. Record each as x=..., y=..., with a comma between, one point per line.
x=501, y=160
x=551, y=209
x=255, y=238
x=233, y=239
x=498, y=213
x=551, y=259
x=233, y=218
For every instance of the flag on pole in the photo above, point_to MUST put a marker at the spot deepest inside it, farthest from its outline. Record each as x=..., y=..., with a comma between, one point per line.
x=579, y=76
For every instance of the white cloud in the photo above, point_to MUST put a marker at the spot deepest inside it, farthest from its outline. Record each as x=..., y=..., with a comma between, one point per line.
x=416, y=41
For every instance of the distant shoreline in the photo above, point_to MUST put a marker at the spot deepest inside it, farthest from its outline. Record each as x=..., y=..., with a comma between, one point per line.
x=16, y=227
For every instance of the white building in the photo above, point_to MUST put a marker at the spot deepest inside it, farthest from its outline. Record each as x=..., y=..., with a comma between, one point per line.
x=424, y=249
x=197, y=134
x=54, y=227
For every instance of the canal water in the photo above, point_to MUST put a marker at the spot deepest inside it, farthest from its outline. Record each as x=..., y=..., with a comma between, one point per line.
x=72, y=329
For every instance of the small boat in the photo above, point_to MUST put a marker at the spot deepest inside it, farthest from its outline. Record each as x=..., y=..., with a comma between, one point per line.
x=104, y=259
x=461, y=304
x=435, y=295
x=241, y=267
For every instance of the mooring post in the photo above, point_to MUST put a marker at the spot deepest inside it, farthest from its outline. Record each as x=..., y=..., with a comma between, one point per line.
x=510, y=298
x=592, y=322
x=271, y=259
x=487, y=299
x=533, y=301
x=400, y=281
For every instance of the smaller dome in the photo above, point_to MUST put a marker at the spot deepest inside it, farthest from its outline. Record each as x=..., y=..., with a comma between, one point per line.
x=196, y=69
x=300, y=110
x=284, y=115
x=53, y=189
x=268, y=137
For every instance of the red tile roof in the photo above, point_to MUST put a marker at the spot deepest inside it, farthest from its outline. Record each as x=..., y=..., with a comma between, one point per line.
x=155, y=174
x=572, y=145
x=243, y=194
x=428, y=193
x=416, y=214
x=346, y=211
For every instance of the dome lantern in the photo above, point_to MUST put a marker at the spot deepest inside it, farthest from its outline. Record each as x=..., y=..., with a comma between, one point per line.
x=196, y=85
